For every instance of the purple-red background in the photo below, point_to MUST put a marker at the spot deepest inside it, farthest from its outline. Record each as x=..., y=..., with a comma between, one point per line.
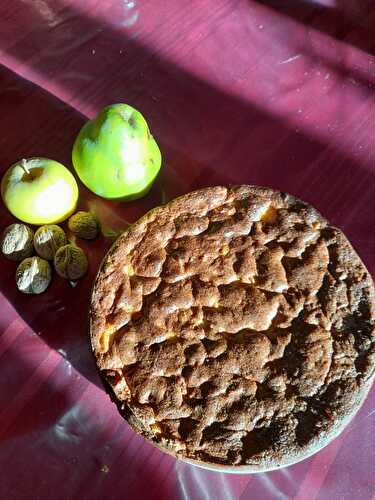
x=277, y=93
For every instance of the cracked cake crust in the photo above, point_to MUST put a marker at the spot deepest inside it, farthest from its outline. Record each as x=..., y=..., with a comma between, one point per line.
x=235, y=326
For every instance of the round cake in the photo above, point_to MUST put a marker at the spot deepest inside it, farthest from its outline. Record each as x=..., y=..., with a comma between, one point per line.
x=235, y=327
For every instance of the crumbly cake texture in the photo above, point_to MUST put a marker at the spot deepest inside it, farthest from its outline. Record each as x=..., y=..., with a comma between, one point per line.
x=235, y=326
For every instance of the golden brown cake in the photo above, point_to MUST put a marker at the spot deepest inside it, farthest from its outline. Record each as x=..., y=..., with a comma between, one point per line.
x=235, y=326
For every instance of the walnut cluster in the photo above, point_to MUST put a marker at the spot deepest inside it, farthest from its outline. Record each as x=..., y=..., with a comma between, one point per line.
x=50, y=242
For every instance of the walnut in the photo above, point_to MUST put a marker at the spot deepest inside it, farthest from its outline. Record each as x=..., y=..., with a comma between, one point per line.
x=71, y=262
x=17, y=242
x=33, y=275
x=84, y=225
x=48, y=239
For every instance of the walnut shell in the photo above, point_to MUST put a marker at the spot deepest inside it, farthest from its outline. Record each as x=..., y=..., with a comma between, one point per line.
x=33, y=275
x=48, y=239
x=84, y=225
x=71, y=262
x=17, y=242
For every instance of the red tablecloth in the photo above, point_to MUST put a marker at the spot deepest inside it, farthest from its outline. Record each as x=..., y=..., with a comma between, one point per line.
x=276, y=93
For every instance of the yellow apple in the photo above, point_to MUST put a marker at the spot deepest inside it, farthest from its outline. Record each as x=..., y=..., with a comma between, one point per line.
x=39, y=191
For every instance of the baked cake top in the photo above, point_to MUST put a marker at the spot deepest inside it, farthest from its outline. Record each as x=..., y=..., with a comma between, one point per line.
x=235, y=326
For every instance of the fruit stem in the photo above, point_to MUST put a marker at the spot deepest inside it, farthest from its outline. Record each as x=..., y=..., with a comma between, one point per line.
x=24, y=166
